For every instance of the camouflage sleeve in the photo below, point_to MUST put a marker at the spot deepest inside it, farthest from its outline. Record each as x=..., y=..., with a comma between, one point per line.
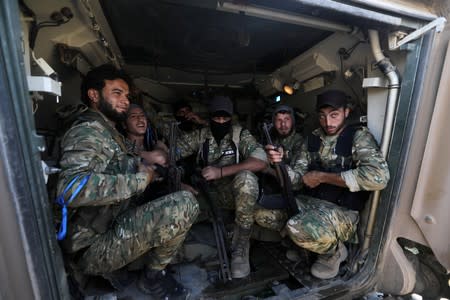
x=249, y=147
x=372, y=171
x=299, y=141
x=189, y=143
x=299, y=165
x=89, y=150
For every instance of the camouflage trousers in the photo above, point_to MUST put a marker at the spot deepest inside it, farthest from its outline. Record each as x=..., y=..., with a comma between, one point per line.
x=239, y=193
x=318, y=227
x=157, y=229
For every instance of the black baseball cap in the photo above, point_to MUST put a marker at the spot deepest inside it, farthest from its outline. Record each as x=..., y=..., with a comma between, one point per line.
x=333, y=98
x=220, y=105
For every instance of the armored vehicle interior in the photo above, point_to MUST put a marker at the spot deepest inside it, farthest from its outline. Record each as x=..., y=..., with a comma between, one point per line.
x=260, y=53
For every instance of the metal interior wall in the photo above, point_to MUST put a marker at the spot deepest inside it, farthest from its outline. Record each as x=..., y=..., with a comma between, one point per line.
x=31, y=224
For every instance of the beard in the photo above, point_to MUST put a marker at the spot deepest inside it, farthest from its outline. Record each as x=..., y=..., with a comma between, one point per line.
x=106, y=108
x=282, y=134
x=185, y=124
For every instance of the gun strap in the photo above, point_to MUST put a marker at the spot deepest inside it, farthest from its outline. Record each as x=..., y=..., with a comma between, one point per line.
x=205, y=153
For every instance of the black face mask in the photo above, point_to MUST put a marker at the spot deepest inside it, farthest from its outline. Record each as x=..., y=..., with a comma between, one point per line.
x=185, y=124
x=219, y=130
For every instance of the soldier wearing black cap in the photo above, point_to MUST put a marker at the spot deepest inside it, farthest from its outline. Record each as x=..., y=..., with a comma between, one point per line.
x=337, y=167
x=229, y=155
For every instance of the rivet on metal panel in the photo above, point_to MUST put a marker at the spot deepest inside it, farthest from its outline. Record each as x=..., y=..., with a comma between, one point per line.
x=429, y=219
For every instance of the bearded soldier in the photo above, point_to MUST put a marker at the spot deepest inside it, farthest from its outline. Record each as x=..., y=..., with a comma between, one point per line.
x=98, y=184
x=283, y=135
x=337, y=167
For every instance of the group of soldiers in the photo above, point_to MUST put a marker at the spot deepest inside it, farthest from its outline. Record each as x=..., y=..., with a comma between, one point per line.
x=106, y=176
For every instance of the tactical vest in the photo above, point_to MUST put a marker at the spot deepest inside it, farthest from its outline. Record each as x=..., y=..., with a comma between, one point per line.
x=203, y=152
x=343, y=162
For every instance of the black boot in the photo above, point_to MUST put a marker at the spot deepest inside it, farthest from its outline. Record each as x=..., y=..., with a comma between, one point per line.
x=240, y=265
x=161, y=285
x=120, y=279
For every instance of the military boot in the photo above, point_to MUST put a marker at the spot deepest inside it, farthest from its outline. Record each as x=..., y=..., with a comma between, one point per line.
x=327, y=265
x=240, y=265
x=161, y=285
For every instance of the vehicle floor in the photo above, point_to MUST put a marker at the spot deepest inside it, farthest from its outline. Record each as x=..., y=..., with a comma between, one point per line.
x=273, y=275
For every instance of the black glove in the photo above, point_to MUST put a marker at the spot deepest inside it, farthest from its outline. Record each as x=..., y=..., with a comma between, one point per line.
x=162, y=171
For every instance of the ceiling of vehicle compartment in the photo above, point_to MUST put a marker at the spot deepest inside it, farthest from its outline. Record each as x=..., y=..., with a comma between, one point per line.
x=193, y=36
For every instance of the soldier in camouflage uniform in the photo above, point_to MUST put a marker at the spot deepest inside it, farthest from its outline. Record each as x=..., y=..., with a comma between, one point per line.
x=142, y=138
x=106, y=230
x=283, y=120
x=337, y=166
x=283, y=135
x=230, y=156
x=188, y=120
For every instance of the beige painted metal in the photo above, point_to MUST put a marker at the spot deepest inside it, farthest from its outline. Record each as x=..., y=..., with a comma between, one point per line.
x=431, y=204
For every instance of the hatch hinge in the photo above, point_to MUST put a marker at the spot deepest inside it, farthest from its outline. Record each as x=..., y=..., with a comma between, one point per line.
x=399, y=38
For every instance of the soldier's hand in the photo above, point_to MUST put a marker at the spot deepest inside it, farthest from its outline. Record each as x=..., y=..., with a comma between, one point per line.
x=155, y=157
x=144, y=168
x=211, y=173
x=312, y=179
x=192, y=116
x=187, y=187
x=161, y=171
x=274, y=154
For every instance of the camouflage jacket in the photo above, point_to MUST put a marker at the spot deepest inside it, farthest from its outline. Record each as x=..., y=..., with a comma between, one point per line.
x=162, y=123
x=371, y=172
x=222, y=154
x=133, y=148
x=291, y=145
x=93, y=146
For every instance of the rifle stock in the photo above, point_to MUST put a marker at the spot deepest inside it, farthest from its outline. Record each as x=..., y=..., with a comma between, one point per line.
x=175, y=172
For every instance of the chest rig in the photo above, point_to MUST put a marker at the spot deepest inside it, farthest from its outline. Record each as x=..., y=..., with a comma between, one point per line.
x=343, y=161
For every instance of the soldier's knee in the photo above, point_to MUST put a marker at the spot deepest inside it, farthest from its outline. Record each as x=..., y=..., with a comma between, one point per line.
x=189, y=203
x=297, y=231
x=260, y=217
x=246, y=182
x=245, y=176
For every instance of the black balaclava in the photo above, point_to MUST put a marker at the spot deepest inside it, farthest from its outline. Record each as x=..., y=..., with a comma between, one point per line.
x=219, y=130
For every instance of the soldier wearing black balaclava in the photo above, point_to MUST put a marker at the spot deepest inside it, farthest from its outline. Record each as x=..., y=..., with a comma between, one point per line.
x=228, y=156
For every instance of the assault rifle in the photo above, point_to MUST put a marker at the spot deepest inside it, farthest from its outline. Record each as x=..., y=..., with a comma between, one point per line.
x=175, y=172
x=218, y=228
x=283, y=178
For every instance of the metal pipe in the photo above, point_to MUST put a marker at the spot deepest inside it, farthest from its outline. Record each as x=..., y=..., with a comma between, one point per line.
x=280, y=16
x=398, y=9
x=438, y=23
x=354, y=11
x=394, y=86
